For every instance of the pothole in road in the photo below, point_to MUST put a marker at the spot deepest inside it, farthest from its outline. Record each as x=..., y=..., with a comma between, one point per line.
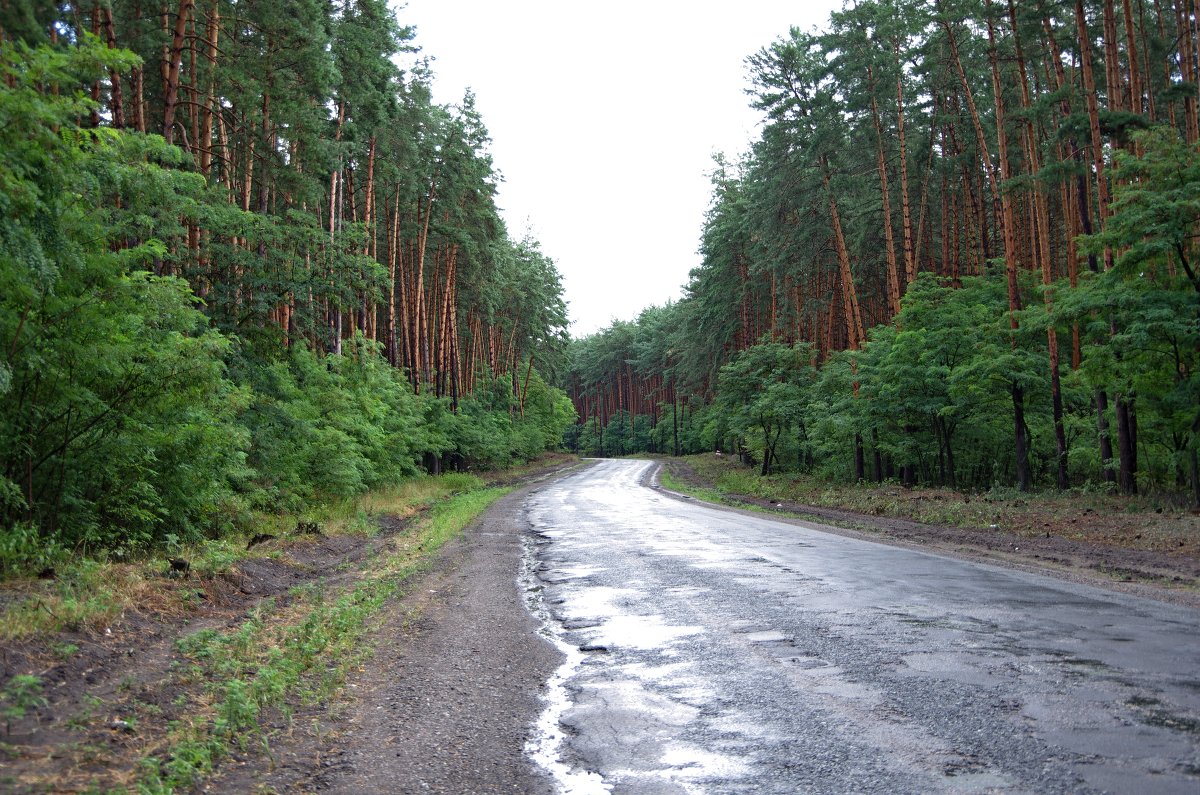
x=1174, y=722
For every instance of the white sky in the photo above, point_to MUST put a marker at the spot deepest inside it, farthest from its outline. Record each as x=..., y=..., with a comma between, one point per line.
x=604, y=118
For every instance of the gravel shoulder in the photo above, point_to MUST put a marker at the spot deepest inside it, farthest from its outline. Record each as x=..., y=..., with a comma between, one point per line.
x=447, y=699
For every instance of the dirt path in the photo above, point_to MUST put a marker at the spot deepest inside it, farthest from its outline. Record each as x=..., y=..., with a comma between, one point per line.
x=450, y=675
x=445, y=703
x=1149, y=573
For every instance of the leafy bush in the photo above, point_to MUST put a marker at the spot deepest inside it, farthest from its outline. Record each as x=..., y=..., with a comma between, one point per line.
x=131, y=419
x=24, y=551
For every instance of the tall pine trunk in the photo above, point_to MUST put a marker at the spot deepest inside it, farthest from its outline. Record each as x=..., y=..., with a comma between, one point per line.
x=910, y=262
x=893, y=279
x=1010, y=255
x=172, y=69
x=1041, y=244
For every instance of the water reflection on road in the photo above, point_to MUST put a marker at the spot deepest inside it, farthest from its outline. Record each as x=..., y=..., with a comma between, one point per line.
x=714, y=651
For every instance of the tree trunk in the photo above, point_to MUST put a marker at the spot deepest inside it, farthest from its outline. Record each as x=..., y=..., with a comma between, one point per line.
x=1041, y=228
x=910, y=264
x=204, y=142
x=369, y=249
x=860, y=470
x=893, y=277
x=1113, y=85
x=117, y=101
x=1023, y=473
x=453, y=362
x=948, y=436
x=1093, y=109
x=1106, y=451
x=980, y=138
x=420, y=325
x=1189, y=50
x=1126, y=445
x=171, y=88
x=854, y=327
x=1135, y=76
x=1194, y=472
x=1010, y=255
x=393, y=354
x=675, y=422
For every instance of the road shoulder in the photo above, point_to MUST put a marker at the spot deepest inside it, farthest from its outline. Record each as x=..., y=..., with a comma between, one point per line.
x=1136, y=572
x=446, y=700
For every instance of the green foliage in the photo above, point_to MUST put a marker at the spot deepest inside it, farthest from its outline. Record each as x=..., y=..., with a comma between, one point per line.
x=879, y=158
x=328, y=427
x=763, y=393
x=134, y=416
x=1144, y=313
x=116, y=423
x=491, y=429
x=22, y=693
x=23, y=550
x=932, y=394
x=1156, y=207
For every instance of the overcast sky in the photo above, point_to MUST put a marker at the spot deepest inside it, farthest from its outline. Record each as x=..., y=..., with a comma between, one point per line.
x=604, y=119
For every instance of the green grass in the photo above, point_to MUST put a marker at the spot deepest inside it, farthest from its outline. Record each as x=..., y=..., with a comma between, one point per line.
x=22, y=693
x=302, y=652
x=225, y=685
x=1087, y=514
x=711, y=495
x=674, y=484
x=91, y=593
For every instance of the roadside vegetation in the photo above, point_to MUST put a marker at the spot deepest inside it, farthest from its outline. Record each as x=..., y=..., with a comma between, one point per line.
x=1154, y=523
x=144, y=676
x=87, y=594
x=224, y=294
x=295, y=653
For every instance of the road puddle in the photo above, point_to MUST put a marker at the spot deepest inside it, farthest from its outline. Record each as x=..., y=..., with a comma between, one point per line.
x=545, y=745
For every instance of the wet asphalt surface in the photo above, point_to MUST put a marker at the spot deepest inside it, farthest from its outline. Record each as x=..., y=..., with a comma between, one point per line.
x=716, y=651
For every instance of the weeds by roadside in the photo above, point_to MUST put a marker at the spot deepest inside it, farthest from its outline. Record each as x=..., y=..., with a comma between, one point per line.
x=718, y=496
x=22, y=693
x=302, y=652
x=223, y=687
x=1092, y=516
x=89, y=594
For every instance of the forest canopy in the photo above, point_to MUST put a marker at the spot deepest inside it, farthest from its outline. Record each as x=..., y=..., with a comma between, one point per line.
x=247, y=263
x=962, y=252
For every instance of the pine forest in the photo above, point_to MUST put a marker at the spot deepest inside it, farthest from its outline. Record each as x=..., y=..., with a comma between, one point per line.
x=962, y=252
x=247, y=263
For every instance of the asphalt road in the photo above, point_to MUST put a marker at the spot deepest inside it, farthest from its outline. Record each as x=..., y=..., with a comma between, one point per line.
x=716, y=651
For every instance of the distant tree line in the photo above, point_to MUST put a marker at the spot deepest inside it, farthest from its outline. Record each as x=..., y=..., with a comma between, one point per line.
x=963, y=251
